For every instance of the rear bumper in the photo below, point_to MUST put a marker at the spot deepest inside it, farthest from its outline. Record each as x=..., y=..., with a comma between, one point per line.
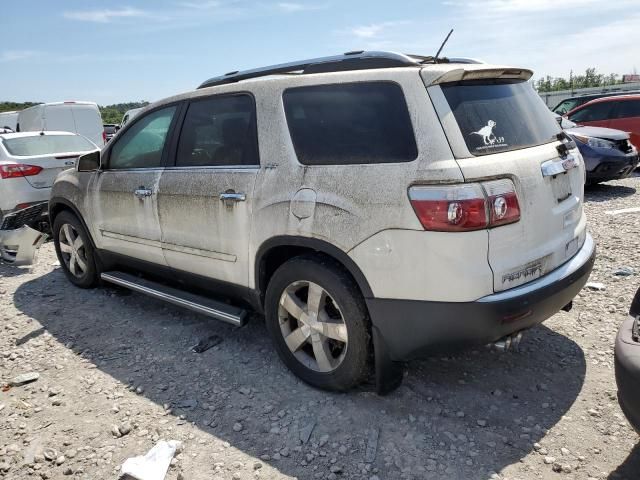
x=627, y=365
x=412, y=328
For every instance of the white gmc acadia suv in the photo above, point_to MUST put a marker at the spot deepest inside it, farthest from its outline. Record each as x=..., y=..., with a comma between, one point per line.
x=372, y=205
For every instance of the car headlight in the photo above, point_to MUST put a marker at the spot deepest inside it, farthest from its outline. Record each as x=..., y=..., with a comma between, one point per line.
x=595, y=142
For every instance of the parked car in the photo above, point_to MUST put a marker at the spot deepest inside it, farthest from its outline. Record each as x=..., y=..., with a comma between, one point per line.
x=627, y=364
x=608, y=154
x=110, y=130
x=82, y=118
x=621, y=112
x=360, y=207
x=8, y=120
x=128, y=115
x=29, y=163
x=568, y=104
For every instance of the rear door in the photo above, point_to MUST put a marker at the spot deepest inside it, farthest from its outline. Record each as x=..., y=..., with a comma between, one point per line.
x=502, y=129
x=88, y=122
x=58, y=118
x=205, y=201
x=626, y=117
x=124, y=193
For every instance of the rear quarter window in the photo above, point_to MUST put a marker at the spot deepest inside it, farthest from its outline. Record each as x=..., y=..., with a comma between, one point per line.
x=498, y=116
x=349, y=124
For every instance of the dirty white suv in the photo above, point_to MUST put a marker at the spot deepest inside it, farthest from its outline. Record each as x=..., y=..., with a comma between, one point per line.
x=373, y=205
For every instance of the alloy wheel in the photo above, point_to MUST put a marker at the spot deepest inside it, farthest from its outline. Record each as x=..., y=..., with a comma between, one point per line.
x=312, y=326
x=73, y=250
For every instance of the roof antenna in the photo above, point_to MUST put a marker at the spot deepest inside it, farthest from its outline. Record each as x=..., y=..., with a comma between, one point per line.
x=435, y=59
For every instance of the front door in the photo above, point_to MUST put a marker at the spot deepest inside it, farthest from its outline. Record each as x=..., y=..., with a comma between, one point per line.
x=125, y=191
x=205, y=199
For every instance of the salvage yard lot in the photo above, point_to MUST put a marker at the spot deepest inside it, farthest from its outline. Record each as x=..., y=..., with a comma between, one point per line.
x=113, y=362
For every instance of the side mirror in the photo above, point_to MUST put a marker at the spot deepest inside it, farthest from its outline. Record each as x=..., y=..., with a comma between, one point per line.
x=89, y=162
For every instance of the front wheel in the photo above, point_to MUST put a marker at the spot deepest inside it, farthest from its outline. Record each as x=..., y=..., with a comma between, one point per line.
x=74, y=250
x=318, y=322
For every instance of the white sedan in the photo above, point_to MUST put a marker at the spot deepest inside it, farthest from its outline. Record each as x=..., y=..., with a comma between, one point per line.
x=29, y=163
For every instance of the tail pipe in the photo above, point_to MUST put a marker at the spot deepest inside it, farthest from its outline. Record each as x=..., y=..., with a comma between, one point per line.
x=508, y=343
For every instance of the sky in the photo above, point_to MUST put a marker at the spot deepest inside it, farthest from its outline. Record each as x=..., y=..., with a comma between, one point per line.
x=124, y=50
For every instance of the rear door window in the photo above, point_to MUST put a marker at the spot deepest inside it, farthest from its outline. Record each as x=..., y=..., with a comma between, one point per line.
x=593, y=113
x=219, y=131
x=498, y=116
x=347, y=124
x=627, y=109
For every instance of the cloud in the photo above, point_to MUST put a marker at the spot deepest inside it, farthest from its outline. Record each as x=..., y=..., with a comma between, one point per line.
x=290, y=7
x=206, y=5
x=105, y=15
x=14, y=55
x=374, y=30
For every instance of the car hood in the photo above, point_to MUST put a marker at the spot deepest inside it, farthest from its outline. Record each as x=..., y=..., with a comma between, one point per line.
x=599, y=132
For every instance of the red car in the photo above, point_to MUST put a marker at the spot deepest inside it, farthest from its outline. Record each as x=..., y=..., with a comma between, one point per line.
x=621, y=112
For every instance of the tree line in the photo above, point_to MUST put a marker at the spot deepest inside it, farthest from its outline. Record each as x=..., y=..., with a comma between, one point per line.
x=590, y=78
x=110, y=113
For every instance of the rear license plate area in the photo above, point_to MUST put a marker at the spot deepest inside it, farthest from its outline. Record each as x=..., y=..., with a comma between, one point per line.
x=561, y=187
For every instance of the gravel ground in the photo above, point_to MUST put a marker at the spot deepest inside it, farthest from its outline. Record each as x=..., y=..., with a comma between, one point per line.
x=117, y=375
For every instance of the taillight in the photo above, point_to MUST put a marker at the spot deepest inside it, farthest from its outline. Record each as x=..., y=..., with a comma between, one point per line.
x=502, y=202
x=18, y=170
x=104, y=137
x=466, y=207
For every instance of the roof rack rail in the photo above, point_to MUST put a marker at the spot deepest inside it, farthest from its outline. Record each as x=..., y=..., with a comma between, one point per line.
x=356, y=60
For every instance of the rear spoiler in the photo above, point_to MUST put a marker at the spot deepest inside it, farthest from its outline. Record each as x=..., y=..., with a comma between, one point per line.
x=460, y=74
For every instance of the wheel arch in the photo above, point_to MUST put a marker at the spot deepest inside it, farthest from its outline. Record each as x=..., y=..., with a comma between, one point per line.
x=277, y=250
x=60, y=204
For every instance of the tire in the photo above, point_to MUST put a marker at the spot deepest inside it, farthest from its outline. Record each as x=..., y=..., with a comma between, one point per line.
x=323, y=361
x=83, y=272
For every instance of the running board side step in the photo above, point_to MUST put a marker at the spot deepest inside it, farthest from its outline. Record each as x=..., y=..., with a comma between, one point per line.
x=197, y=303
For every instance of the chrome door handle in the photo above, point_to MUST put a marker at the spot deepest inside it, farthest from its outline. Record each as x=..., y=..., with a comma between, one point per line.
x=142, y=192
x=232, y=197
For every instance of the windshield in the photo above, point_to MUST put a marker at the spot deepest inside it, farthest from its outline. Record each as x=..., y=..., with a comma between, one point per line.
x=499, y=116
x=566, y=106
x=47, y=145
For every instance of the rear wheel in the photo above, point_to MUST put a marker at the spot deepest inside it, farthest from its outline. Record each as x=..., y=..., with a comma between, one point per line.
x=74, y=250
x=318, y=322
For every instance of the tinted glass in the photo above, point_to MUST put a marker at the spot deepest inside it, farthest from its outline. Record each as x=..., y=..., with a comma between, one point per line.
x=219, y=131
x=566, y=106
x=110, y=129
x=141, y=145
x=627, y=109
x=499, y=116
x=347, y=124
x=593, y=113
x=47, y=145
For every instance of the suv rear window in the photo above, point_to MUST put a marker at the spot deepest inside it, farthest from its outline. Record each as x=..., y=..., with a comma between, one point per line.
x=348, y=124
x=47, y=145
x=499, y=116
